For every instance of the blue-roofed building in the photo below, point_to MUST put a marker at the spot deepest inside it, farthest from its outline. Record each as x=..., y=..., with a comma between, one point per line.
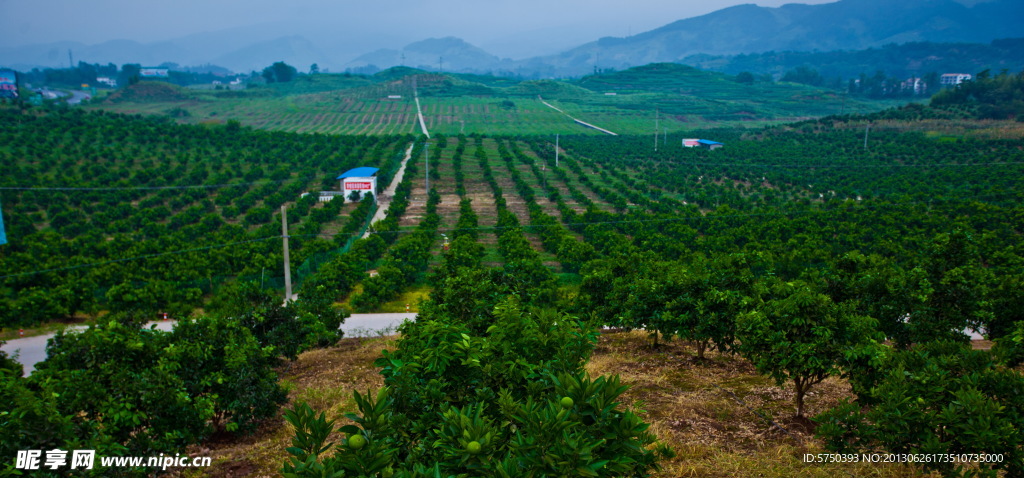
x=357, y=180
x=702, y=143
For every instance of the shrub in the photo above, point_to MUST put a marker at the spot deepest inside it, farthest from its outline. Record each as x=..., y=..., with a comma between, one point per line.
x=219, y=360
x=938, y=398
x=483, y=405
x=116, y=375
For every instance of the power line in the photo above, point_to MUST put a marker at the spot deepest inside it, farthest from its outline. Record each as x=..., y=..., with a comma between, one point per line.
x=147, y=256
x=145, y=188
x=858, y=208
x=497, y=228
x=851, y=166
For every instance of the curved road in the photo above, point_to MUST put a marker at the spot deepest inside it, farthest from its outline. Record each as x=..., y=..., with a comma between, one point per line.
x=32, y=350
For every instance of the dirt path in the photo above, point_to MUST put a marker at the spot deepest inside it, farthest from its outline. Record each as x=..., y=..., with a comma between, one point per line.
x=384, y=200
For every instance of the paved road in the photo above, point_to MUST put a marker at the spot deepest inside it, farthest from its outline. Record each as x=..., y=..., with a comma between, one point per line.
x=384, y=199
x=77, y=97
x=32, y=350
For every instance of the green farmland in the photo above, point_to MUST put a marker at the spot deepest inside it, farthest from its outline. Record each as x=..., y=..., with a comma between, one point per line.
x=623, y=102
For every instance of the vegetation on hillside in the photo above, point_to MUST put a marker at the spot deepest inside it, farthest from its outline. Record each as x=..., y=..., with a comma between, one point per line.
x=92, y=196
x=454, y=104
x=991, y=97
x=853, y=251
x=925, y=60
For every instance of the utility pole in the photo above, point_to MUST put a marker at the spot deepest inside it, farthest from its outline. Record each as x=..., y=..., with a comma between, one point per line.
x=556, y=151
x=426, y=157
x=866, y=129
x=655, y=130
x=287, y=263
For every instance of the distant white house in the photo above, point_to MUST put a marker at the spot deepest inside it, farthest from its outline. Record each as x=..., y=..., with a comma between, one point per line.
x=103, y=80
x=915, y=85
x=953, y=79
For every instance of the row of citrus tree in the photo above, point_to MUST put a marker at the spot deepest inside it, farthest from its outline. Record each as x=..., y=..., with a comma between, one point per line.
x=801, y=322
x=124, y=390
x=488, y=381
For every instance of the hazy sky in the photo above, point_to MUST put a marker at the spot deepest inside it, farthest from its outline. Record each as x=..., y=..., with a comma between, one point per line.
x=480, y=22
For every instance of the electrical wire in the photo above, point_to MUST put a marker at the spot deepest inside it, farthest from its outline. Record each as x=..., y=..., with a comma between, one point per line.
x=498, y=228
x=146, y=256
x=146, y=188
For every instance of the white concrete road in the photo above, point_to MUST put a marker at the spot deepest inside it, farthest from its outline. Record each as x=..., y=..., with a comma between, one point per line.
x=32, y=350
x=384, y=199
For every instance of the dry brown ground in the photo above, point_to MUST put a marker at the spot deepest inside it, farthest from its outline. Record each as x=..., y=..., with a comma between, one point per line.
x=717, y=414
x=324, y=378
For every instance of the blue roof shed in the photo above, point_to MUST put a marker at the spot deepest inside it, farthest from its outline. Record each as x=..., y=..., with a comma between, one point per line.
x=363, y=172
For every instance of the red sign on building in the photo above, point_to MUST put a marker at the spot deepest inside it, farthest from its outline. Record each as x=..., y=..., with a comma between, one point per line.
x=358, y=186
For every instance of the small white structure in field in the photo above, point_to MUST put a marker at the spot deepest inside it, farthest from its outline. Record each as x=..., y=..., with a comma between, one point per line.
x=359, y=180
x=394, y=97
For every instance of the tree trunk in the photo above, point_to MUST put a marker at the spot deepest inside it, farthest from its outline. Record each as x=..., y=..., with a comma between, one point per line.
x=800, y=391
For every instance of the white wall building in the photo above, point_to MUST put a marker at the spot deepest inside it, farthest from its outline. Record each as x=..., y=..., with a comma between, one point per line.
x=953, y=79
x=362, y=180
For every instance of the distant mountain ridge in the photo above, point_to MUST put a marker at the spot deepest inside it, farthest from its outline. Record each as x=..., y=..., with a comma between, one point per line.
x=448, y=54
x=902, y=61
x=842, y=25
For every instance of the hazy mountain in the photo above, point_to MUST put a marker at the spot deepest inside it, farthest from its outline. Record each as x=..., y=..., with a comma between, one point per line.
x=294, y=50
x=240, y=49
x=449, y=54
x=843, y=25
x=902, y=60
x=55, y=55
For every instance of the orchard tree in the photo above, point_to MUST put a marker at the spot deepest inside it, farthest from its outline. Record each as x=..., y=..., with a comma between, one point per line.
x=117, y=375
x=707, y=297
x=279, y=72
x=799, y=334
x=950, y=290
x=937, y=398
x=220, y=360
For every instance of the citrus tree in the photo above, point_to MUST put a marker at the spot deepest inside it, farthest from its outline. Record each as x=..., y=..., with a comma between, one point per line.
x=800, y=335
